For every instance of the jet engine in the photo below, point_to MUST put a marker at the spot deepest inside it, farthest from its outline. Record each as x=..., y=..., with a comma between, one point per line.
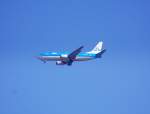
x=60, y=63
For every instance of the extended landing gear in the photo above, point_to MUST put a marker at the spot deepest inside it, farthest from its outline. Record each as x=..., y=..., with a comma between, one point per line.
x=44, y=61
x=70, y=63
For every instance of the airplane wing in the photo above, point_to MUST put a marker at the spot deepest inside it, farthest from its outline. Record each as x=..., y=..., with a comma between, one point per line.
x=73, y=55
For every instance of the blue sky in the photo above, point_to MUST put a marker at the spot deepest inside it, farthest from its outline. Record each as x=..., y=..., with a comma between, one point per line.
x=116, y=84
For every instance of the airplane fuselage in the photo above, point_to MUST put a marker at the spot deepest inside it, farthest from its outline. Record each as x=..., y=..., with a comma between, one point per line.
x=56, y=56
x=67, y=58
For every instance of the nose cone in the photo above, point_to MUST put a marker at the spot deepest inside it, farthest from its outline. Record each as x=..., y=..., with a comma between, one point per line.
x=40, y=58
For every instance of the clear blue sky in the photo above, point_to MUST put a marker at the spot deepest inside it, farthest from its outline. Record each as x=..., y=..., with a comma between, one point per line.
x=116, y=84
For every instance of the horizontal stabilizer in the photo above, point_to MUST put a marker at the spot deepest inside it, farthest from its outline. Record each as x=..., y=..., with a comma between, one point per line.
x=100, y=53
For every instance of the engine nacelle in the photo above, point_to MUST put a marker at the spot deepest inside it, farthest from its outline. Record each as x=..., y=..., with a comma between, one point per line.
x=60, y=63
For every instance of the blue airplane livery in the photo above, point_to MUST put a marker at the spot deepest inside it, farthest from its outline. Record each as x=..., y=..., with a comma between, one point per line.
x=65, y=58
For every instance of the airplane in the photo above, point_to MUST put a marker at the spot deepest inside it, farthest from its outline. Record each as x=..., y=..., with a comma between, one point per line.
x=65, y=58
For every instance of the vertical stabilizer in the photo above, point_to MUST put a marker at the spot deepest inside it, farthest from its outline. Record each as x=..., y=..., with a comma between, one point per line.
x=97, y=48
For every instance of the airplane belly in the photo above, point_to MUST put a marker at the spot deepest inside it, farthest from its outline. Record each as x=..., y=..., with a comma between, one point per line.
x=83, y=58
x=51, y=58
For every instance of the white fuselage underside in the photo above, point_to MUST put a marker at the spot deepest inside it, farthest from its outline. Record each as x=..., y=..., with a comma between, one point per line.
x=58, y=58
